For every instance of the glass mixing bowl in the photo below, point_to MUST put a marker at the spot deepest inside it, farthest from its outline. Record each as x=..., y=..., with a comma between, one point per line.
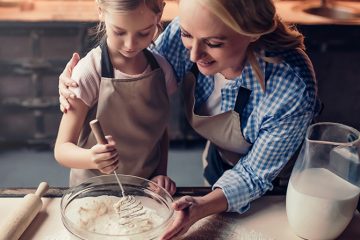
x=151, y=195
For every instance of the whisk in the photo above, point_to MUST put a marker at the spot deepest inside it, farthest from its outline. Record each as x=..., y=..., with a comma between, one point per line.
x=128, y=207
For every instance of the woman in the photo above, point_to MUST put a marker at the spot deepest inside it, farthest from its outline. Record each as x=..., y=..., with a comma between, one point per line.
x=251, y=93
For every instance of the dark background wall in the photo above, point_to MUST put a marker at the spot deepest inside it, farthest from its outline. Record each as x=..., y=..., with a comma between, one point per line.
x=335, y=53
x=32, y=55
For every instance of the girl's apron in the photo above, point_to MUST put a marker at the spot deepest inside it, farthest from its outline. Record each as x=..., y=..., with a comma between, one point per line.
x=135, y=112
x=226, y=143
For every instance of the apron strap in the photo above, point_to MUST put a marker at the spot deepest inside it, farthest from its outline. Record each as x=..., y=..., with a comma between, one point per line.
x=107, y=69
x=194, y=69
x=242, y=99
x=240, y=104
x=215, y=165
x=151, y=59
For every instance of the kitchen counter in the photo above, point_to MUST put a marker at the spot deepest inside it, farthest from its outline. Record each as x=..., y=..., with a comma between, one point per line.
x=85, y=11
x=266, y=219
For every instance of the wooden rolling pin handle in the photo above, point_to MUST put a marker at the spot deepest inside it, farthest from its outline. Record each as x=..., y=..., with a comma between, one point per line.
x=16, y=223
x=98, y=132
x=42, y=189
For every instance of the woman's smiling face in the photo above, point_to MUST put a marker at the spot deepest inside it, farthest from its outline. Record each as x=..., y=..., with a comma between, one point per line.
x=214, y=46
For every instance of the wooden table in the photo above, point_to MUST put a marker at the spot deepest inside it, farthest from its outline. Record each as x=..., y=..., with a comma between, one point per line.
x=266, y=219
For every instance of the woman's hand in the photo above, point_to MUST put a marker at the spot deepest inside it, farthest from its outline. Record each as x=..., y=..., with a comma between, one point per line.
x=187, y=213
x=165, y=182
x=105, y=157
x=191, y=209
x=65, y=82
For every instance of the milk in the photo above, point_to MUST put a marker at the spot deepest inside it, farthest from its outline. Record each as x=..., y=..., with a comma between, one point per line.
x=319, y=204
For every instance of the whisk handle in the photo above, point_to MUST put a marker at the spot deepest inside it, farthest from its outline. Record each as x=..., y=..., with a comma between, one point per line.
x=98, y=132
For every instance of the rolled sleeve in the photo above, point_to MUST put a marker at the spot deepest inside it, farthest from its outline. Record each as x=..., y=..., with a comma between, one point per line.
x=236, y=191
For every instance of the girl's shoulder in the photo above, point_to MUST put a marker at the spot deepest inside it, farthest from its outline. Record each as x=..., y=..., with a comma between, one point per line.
x=90, y=63
x=87, y=74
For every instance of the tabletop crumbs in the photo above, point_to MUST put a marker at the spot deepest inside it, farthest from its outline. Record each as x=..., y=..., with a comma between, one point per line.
x=62, y=235
x=218, y=228
x=251, y=235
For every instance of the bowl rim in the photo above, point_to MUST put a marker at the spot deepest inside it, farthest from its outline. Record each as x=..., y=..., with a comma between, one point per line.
x=70, y=190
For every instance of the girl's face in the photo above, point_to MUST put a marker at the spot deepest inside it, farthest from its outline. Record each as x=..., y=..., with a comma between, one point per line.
x=214, y=46
x=130, y=32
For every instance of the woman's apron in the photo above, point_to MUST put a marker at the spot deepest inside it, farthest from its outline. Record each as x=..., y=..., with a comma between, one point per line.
x=226, y=143
x=135, y=112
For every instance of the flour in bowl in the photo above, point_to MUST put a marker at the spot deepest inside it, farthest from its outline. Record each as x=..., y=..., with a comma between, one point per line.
x=97, y=214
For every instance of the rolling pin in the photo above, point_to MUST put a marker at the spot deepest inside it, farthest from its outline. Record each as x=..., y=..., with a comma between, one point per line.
x=17, y=222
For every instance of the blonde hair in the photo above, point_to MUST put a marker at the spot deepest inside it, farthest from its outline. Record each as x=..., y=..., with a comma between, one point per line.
x=258, y=19
x=120, y=6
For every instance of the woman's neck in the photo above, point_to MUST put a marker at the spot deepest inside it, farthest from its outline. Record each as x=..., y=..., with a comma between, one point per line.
x=233, y=72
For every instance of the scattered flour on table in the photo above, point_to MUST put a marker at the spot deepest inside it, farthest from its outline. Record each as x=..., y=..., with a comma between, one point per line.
x=252, y=235
x=246, y=234
x=219, y=227
x=62, y=235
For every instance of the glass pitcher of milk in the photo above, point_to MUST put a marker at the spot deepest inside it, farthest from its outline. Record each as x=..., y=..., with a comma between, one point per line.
x=324, y=186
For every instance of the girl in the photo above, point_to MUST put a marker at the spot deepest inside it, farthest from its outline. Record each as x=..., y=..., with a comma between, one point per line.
x=126, y=87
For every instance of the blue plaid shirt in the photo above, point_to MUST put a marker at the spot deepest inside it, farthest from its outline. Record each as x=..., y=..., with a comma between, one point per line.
x=274, y=121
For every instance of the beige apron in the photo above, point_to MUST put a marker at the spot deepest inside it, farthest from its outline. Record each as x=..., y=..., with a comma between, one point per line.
x=135, y=112
x=223, y=131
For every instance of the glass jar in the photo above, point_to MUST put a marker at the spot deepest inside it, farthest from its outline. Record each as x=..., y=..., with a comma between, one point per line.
x=323, y=190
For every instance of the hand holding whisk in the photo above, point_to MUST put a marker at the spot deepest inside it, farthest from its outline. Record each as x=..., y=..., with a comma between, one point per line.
x=128, y=207
x=100, y=138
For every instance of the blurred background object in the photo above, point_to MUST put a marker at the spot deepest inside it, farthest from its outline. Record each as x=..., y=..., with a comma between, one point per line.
x=331, y=9
x=36, y=44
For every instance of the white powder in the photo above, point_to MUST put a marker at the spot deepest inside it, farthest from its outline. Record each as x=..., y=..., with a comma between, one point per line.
x=319, y=204
x=61, y=235
x=97, y=214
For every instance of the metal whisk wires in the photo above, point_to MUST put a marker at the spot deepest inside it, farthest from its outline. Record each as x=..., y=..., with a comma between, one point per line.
x=129, y=207
x=132, y=213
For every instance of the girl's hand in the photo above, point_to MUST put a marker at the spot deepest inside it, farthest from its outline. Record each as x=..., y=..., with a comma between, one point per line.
x=105, y=157
x=65, y=82
x=165, y=182
x=187, y=213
